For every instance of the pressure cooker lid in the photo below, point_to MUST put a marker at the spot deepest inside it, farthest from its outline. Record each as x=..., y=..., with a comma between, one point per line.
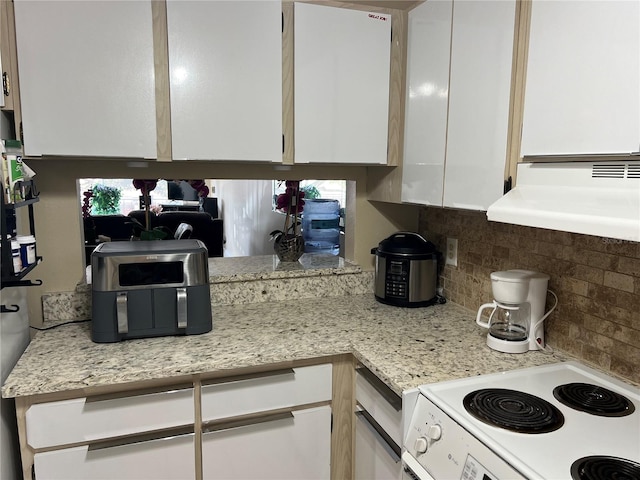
x=405, y=243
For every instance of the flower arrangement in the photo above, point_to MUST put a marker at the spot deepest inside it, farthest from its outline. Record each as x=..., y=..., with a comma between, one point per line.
x=86, y=203
x=200, y=187
x=288, y=242
x=146, y=186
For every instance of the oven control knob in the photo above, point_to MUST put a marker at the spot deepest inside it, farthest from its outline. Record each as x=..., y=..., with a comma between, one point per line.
x=434, y=433
x=421, y=444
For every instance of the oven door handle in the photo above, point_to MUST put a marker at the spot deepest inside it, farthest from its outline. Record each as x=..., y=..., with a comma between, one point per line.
x=393, y=446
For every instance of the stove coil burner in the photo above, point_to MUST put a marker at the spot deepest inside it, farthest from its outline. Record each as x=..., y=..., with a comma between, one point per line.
x=604, y=468
x=593, y=399
x=512, y=410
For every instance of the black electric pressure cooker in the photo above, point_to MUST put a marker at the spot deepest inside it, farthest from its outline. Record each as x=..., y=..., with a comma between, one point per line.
x=406, y=270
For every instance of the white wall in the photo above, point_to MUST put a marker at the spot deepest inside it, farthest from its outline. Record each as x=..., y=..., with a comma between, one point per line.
x=245, y=207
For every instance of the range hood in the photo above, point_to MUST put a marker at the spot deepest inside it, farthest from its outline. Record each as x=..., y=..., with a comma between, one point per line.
x=591, y=198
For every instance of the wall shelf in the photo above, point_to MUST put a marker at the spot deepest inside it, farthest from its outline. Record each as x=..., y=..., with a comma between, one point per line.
x=8, y=227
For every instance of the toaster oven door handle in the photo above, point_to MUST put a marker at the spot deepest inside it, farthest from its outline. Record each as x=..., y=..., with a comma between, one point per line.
x=121, y=312
x=181, y=298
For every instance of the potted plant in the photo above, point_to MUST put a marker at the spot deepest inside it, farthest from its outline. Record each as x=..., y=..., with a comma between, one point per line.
x=288, y=242
x=145, y=232
x=105, y=200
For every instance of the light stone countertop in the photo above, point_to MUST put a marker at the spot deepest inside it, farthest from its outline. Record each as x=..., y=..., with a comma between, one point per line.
x=239, y=269
x=404, y=347
x=264, y=267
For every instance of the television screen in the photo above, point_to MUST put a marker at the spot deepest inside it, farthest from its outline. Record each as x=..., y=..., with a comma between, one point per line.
x=181, y=190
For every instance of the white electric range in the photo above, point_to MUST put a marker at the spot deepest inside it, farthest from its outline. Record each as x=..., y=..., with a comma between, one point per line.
x=553, y=422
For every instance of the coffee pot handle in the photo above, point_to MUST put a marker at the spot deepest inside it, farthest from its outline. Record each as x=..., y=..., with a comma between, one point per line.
x=479, y=320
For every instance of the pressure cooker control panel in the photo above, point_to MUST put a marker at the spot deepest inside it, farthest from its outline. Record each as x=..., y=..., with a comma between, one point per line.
x=397, y=278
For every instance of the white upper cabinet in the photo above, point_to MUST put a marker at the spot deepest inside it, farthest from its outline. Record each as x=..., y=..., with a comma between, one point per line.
x=341, y=72
x=225, y=71
x=457, y=111
x=583, y=78
x=87, y=78
x=479, y=92
x=425, y=129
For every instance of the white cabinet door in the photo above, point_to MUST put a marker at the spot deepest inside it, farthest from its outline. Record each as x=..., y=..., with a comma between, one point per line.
x=384, y=413
x=84, y=419
x=375, y=459
x=457, y=111
x=341, y=65
x=225, y=62
x=87, y=78
x=582, y=93
x=164, y=458
x=479, y=91
x=279, y=389
x=294, y=448
x=425, y=129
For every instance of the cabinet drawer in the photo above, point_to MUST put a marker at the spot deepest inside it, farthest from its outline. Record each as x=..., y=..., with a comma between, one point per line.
x=375, y=459
x=164, y=458
x=86, y=419
x=387, y=415
x=280, y=389
x=292, y=448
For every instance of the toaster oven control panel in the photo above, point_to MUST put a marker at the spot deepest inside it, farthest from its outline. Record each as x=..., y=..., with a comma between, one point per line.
x=397, y=279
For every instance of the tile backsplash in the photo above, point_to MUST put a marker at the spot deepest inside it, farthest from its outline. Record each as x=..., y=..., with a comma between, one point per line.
x=597, y=281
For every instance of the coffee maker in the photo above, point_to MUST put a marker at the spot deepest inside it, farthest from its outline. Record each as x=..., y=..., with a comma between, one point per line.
x=517, y=312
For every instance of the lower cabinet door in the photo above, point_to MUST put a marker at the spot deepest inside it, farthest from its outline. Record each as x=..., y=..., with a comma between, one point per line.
x=164, y=458
x=375, y=459
x=294, y=447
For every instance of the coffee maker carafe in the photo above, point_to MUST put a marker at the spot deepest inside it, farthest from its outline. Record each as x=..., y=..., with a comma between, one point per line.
x=517, y=313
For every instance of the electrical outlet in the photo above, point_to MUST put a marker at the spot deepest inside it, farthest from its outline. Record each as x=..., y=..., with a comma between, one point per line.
x=452, y=252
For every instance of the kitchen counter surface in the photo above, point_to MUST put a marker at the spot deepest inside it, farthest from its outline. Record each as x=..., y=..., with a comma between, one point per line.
x=264, y=267
x=239, y=269
x=240, y=280
x=404, y=347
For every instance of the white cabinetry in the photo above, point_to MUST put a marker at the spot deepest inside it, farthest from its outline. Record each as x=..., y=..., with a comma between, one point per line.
x=87, y=78
x=290, y=446
x=279, y=415
x=143, y=436
x=457, y=107
x=86, y=419
x=285, y=414
x=279, y=389
x=169, y=458
x=582, y=93
x=225, y=67
x=425, y=134
x=341, y=65
x=378, y=430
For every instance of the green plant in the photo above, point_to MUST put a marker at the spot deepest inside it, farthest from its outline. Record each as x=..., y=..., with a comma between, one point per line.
x=310, y=192
x=105, y=200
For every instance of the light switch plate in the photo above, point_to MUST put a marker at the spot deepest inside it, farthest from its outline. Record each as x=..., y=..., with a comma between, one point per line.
x=452, y=252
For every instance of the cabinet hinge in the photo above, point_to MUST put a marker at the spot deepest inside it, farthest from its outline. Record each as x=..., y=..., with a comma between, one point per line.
x=283, y=144
x=331, y=430
x=282, y=15
x=6, y=86
x=507, y=185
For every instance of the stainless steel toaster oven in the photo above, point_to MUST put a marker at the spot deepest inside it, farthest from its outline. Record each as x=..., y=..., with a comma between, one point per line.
x=149, y=289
